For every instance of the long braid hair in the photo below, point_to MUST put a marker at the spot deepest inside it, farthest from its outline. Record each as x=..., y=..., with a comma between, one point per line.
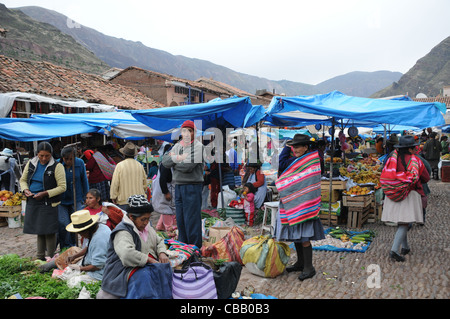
x=401, y=154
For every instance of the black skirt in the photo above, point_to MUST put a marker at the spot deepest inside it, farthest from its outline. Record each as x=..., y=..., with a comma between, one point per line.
x=40, y=218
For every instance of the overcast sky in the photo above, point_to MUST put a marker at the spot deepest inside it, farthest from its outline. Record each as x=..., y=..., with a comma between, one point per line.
x=305, y=41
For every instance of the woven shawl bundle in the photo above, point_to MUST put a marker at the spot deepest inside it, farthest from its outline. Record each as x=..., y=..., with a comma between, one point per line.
x=397, y=185
x=299, y=190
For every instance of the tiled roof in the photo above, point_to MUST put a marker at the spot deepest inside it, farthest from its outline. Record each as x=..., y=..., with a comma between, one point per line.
x=194, y=84
x=55, y=81
x=441, y=99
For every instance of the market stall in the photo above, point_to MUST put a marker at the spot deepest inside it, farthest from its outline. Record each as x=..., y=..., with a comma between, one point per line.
x=334, y=109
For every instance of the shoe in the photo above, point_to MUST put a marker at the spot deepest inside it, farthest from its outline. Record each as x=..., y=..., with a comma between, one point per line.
x=294, y=267
x=405, y=251
x=396, y=256
x=306, y=275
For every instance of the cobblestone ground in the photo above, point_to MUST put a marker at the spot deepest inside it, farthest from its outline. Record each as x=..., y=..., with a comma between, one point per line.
x=346, y=275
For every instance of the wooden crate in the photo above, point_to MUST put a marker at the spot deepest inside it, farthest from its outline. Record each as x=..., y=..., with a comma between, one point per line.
x=359, y=202
x=10, y=211
x=357, y=218
x=324, y=219
x=325, y=185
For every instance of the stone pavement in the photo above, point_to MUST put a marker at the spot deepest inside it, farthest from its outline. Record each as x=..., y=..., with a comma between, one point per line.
x=346, y=275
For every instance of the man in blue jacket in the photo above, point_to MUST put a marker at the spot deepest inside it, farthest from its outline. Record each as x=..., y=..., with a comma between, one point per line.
x=66, y=208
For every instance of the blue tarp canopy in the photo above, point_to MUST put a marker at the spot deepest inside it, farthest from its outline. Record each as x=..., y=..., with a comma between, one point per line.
x=363, y=112
x=233, y=112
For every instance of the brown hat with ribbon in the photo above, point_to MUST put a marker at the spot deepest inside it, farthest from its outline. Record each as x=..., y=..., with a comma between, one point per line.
x=129, y=149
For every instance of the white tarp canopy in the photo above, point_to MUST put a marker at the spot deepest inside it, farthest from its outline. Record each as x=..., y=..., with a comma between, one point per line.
x=7, y=102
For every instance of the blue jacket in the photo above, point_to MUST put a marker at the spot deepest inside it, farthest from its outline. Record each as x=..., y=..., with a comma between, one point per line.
x=81, y=182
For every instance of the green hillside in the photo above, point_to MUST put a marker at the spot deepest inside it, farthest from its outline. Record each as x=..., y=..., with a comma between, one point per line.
x=29, y=39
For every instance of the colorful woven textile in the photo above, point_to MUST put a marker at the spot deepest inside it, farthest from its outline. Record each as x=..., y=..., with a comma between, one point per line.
x=397, y=185
x=106, y=165
x=299, y=190
x=183, y=248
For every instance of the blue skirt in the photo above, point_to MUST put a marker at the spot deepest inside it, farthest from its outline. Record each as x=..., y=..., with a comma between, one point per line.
x=306, y=231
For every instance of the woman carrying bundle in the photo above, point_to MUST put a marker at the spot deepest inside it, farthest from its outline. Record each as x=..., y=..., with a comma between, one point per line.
x=402, y=181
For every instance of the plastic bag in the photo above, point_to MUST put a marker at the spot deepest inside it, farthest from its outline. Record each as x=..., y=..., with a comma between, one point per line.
x=263, y=256
x=227, y=278
x=228, y=196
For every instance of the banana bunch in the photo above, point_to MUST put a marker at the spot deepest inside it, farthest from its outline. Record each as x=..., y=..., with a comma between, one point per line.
x=14, y=200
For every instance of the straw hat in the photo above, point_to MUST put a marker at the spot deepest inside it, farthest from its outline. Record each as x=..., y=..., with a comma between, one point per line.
x=129, y=149
x=81, y=220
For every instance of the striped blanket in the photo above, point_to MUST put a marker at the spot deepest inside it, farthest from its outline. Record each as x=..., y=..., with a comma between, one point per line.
x=397, y=185
x=299, y=190
x=106, y=165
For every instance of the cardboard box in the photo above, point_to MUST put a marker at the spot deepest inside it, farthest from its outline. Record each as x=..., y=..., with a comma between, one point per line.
x=335, y=208
x=217, y=233
x=325, y=195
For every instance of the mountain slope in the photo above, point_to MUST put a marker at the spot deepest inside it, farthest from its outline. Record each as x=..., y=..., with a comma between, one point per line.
x=29, y=39
x=123, y=53
x=428, y=75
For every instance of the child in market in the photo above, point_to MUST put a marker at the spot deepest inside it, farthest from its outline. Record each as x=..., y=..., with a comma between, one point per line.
x=248, y=194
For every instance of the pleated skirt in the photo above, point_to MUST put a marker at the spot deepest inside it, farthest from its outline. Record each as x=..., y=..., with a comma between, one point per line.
x=408, y=210
x=306, y=231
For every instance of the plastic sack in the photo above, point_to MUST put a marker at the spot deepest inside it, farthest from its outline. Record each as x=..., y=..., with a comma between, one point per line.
x=226, y=248
x=227, y=278
x=228, y=196
x=264, y=256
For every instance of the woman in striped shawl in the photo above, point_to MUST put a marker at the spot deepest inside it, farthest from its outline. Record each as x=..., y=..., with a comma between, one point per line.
x=299, y=190
x=402, y=182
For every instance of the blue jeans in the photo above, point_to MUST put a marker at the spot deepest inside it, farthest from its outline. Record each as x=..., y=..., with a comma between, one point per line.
x=65, y=238
x=188, y=204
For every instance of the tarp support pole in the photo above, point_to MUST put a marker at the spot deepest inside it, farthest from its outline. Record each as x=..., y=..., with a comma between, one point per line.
x=331, y=170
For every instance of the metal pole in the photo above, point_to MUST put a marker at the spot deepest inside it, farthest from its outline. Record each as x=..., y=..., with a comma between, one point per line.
x=331, y=171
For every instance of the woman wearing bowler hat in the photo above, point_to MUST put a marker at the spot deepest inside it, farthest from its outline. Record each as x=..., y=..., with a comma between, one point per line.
x=299, y=189
x=401, y=179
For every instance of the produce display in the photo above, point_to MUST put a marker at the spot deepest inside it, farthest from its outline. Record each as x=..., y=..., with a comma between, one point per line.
x=10, y=199
x=365, y=171
x=445, y=157
x=339, y=239
x=357, y=190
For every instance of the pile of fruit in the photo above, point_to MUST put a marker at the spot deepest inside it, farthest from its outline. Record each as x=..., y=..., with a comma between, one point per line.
x=335, y=160
x=445, y=157
x=10, y=199
x=357, y=190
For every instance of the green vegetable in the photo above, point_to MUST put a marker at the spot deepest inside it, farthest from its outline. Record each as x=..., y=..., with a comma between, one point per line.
x=21, y=275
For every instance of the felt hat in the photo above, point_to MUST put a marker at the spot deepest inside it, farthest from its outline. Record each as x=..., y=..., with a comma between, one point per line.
x=6, y=152
x=301, y=139
x=406, y=142
x=81, y=220
x=189, y=124
x=129, y=149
